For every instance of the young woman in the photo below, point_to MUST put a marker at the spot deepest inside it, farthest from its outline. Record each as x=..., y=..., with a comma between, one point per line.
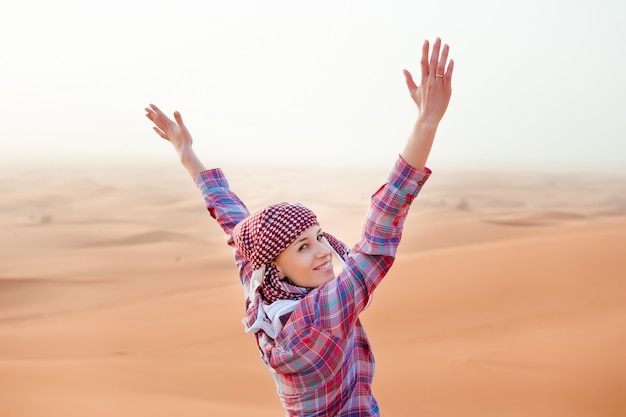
x=304, y=318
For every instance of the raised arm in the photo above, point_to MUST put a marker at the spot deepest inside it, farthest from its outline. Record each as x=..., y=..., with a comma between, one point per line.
x=373, y=255
x=431, y=97
x=175, y=132
x=221, y=202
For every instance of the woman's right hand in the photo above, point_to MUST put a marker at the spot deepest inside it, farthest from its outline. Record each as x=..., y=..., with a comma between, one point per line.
x=173, y=131
x=176, y=133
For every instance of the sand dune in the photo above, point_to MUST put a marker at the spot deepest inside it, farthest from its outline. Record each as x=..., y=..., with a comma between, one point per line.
x=118, y=295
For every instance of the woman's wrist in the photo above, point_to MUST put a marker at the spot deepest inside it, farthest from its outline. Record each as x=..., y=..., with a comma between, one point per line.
x=191, y=162
x=185, y=153
x=427, y=123
x=417, y=148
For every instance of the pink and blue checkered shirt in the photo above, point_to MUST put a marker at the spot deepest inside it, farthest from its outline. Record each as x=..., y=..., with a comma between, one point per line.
x=321, y=360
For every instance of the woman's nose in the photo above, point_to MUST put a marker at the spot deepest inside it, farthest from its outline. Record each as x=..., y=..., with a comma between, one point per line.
x=322, y=250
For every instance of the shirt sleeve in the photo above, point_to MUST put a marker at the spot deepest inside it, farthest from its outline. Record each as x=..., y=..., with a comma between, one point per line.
x=335, y=306
x=225, y=207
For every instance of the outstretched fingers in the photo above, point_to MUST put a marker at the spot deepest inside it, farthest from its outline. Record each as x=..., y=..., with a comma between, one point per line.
x=152, y=111
x=448, y=75
x=433, y=93
x=163, y=124
x=179, y=121
x=160, y=133
x=433, y=63
x=424, y=61
x=408, y=78
x=441, y=64
x=434, y=60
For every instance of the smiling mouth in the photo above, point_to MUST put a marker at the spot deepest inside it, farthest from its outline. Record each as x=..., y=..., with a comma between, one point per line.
x=325, y=266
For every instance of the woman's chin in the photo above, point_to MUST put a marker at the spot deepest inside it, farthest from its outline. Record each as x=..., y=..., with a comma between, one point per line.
x=331, y=276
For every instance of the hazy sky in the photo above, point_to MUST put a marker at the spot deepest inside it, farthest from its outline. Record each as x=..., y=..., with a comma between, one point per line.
x=537, y=83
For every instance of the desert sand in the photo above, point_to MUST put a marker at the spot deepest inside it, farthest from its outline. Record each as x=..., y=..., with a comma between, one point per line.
x=118, y=296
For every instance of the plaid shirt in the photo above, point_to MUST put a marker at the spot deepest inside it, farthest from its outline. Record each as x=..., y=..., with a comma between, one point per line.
x=321, y=360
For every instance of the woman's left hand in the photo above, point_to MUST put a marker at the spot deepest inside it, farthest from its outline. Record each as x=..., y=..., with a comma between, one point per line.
x=433, y=94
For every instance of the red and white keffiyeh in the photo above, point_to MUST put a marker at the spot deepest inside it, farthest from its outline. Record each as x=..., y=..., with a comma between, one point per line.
x=261, y=237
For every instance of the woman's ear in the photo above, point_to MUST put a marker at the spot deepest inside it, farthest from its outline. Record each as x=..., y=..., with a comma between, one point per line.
x=282, y=276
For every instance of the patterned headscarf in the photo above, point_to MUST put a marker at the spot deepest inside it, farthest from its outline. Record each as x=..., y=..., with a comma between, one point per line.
x=261, y=237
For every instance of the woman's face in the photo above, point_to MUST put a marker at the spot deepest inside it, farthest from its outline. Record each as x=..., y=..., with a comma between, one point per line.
x=307, y=261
